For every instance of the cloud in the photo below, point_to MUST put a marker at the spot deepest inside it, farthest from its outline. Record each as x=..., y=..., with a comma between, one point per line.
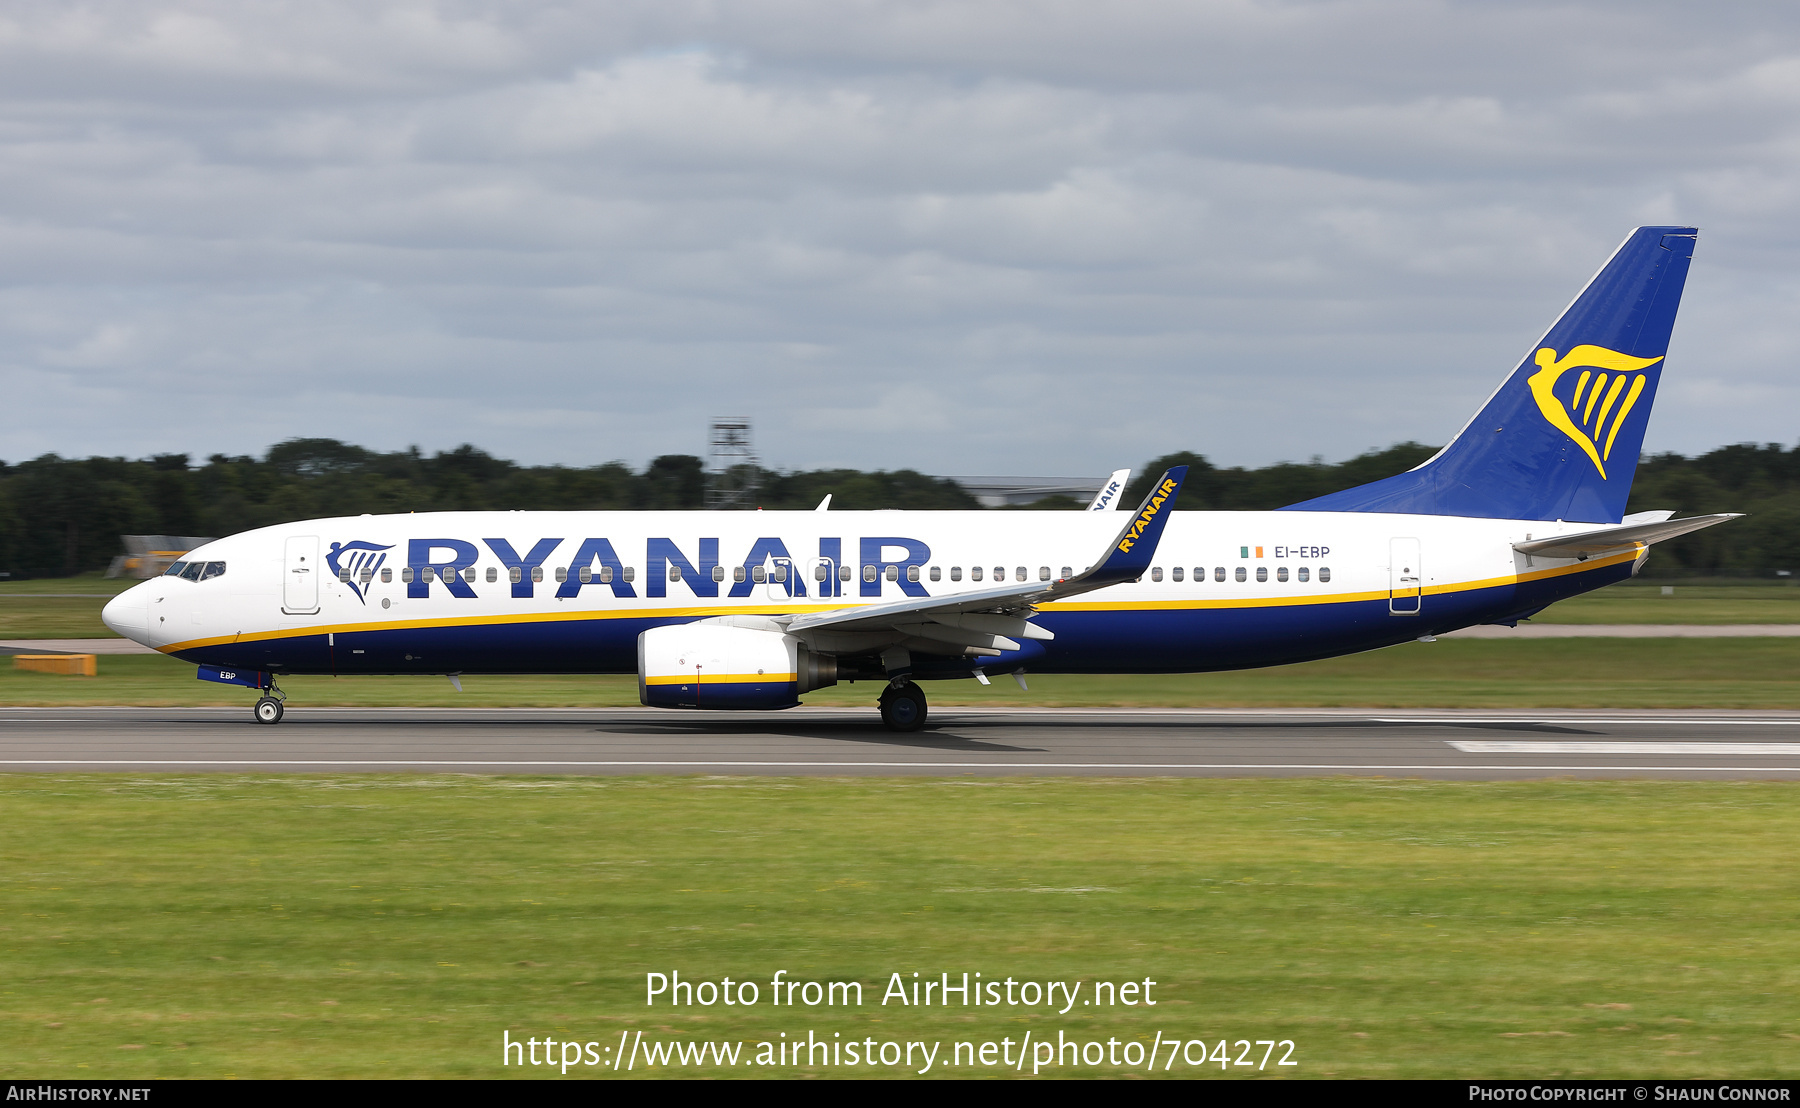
x=1022, y=237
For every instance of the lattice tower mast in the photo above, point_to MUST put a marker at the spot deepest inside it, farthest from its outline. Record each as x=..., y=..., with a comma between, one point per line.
x=735, y=477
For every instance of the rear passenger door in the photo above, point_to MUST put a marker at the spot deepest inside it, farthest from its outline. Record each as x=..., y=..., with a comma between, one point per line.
x=1406, y=580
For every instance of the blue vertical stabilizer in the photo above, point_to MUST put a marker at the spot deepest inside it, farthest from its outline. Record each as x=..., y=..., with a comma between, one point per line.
x=1561, y=438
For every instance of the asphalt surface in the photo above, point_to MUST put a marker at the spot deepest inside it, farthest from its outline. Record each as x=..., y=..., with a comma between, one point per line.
x=1706, y=745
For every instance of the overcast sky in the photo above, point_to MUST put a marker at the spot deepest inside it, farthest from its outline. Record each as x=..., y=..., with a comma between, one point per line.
x=1033, y=238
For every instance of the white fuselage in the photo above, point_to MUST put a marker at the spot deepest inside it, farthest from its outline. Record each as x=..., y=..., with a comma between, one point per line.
x=1227, y=589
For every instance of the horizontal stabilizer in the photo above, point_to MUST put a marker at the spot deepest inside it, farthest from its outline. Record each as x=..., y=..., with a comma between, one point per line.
x=1589, y=543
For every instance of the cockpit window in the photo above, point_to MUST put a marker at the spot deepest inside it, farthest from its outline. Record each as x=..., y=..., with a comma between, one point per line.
x=212, y=570
x=175, y=570
x=192, y=572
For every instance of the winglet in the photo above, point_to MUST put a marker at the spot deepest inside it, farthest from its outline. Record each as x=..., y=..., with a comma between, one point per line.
x=1131, y=552
x=1107, y=499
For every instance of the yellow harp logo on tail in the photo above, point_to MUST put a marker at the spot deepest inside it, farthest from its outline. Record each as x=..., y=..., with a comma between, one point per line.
x=1600, y=402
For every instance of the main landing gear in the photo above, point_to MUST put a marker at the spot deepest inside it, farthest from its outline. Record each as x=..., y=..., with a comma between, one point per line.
x=903, y=707
x=268, y=709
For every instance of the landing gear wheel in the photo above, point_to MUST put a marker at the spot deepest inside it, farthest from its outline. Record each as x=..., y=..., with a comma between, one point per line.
x=268, y=710
x=903, y=707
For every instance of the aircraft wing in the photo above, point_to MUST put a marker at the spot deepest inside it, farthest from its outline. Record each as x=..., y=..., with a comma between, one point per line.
x=1588, y=543
x=1008, y=606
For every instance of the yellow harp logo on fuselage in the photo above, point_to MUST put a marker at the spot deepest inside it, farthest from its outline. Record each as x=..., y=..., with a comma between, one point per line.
x=1599, y=397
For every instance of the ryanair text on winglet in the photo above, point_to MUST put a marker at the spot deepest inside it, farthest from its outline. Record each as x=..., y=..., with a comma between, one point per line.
x=1144, y=517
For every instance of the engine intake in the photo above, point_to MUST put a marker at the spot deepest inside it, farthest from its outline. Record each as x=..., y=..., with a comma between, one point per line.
x=707, y=665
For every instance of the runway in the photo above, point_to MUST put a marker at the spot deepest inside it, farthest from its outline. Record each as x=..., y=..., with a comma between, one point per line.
x=1473, y=744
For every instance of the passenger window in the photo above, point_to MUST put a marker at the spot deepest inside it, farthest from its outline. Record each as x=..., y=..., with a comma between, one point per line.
x=739, y=574
x=820, y=572
x=1262, y=573
x=1067, y=573
x=1324, y=574
x=192, y=572
x=999, y=573
x=630, y=574
x=1199, y=574
x=759, y=574
x=1218, y=573
x=516, y=574
x=427, y=574
x=956, y=573
x=387, y=576
x=212, y=570
x=175, y=569
x=893, y=573
x=974, y=573
x=1281, y=573
x=674, y=571
x=843, y=573
x=406, y=576
x=606, y=575
x=912, y=574
x=537, y=575
x=586, y=576
x=780, y=575
x=1043, y=573
x=562, y=574
x=367, y=575
x=937, y=574
x=1175, y=574
x=493, y=575
x=1302, y=573
x=869, y=573
x=469, y=575
x=343, y=575
x=718, y=573
x=1241, y=575
x=1020, y=575
x=1156, y=573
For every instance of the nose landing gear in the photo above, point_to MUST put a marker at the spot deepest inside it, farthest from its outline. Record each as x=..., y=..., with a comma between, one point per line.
x=269, y=708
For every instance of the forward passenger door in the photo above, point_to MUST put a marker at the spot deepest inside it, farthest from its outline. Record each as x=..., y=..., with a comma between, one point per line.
x=300, y=576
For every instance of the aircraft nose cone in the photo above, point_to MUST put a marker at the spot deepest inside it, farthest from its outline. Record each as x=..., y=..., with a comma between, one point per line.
x=124, y=614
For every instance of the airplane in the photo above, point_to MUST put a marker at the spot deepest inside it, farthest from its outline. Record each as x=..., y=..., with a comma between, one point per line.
x=751, y=610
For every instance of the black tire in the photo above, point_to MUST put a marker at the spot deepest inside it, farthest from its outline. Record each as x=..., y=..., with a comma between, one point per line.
x=268, y=710
x=903, y=708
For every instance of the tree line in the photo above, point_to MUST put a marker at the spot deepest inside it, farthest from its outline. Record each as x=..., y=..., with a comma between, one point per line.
x=61, y=516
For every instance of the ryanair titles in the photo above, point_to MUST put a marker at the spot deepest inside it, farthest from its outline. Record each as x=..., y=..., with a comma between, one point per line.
x=594, y=561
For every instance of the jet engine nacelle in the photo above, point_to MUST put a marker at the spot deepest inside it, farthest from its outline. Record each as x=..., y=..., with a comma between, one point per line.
x=707, y=665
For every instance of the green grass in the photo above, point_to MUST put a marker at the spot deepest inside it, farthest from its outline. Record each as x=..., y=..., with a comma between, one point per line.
x=203, y=926
x=52, y=617
x=96, y=584
x=27, y=614
x=1474, y=673
x=1750, y=602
